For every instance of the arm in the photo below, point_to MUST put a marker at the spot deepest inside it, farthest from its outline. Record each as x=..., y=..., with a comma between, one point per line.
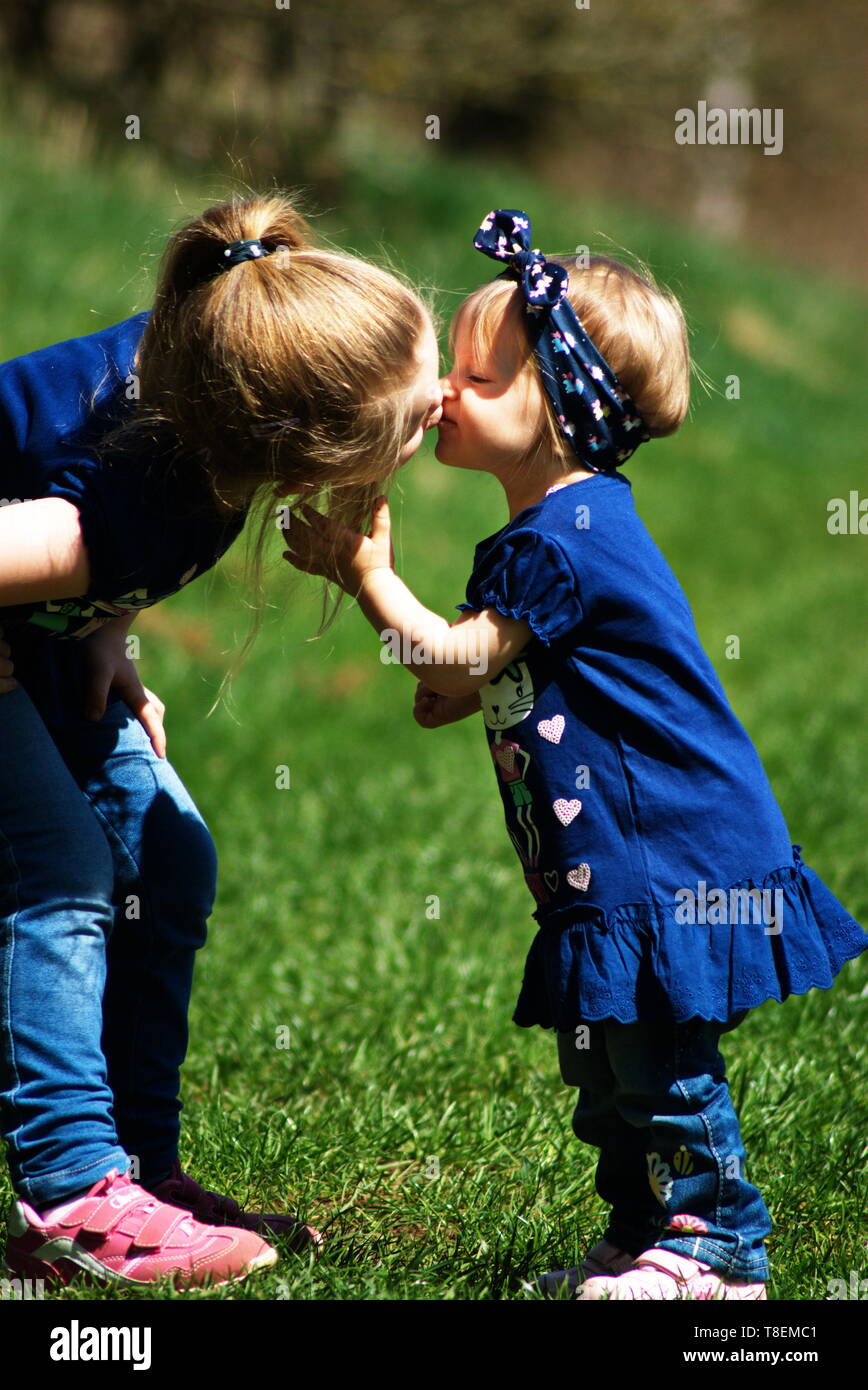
x=42, y=553
x=451, y=659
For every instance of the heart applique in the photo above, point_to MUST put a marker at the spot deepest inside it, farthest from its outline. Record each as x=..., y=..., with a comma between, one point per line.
x=551, y=879
x=579, y=877
x=566, y=811
x=504, y=755
x=552, y=729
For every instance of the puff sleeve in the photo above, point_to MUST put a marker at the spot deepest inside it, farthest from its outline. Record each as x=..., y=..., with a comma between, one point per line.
x=526, y=574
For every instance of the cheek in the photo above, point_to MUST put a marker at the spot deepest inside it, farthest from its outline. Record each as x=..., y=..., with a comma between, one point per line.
x=534, y=415
x=505, y=428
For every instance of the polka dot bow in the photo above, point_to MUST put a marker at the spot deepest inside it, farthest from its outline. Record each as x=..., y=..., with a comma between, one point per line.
x=597, y=417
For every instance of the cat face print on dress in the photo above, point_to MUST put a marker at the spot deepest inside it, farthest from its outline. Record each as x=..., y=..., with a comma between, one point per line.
x=508, y=698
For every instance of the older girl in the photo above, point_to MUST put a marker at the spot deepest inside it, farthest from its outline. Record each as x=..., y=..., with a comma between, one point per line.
x=268, y=366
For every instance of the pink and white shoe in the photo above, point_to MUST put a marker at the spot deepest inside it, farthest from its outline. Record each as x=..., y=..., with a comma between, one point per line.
x=661, y=1274
x=604, y=1259
x=119, y=1232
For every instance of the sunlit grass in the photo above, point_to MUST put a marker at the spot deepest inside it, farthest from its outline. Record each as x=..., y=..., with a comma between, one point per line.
x=408, y=1117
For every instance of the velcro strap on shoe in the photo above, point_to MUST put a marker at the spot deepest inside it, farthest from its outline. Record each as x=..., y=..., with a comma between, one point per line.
x=108, y=1211
x=159, y=1226
x=77, y=1214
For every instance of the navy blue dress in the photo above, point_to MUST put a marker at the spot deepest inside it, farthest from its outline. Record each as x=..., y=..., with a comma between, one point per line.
x=664, y=875
x=149, y=523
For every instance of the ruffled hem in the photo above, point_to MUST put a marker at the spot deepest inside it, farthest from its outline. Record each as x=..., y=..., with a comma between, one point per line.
x=640, y=962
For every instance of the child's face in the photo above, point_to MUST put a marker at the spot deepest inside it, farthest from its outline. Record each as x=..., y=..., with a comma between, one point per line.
x=425, y=393
x=491, y=415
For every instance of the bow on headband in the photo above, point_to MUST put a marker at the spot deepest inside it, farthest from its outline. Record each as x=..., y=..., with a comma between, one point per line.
x=595, y=413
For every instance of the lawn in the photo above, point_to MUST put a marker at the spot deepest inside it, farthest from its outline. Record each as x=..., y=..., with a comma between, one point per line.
x=352, y=1051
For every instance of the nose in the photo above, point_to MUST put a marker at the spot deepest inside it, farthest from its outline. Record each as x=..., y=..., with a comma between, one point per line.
x=447, y=388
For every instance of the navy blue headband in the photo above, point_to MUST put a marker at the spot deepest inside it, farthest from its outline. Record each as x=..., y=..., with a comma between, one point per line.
x=595, y=413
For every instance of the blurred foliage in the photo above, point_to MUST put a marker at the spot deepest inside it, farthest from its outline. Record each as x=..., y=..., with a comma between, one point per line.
x=588, y=96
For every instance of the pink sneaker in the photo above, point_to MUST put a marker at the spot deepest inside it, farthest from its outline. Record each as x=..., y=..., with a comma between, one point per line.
x=119, y=1232
x=180, y=1190
x=661, y=1274
x=605, y=1258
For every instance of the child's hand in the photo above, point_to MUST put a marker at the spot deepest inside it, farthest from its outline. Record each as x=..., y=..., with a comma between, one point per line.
x=432, y=711
x=109, y=668
x=7, y=680
x=318, y=545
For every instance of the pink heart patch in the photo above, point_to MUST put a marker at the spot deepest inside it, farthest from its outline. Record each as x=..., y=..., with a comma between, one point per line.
x=552, y=729
x=566, y=811
x=579, y=877
x=505, y=757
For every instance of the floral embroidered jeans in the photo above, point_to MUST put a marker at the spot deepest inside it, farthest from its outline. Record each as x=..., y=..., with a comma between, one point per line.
x=653, y=1098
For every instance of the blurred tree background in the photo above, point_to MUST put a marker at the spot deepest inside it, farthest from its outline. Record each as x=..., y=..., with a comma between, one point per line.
x=301, y=90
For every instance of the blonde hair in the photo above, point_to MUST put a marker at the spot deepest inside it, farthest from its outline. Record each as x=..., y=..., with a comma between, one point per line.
x=286, y=375
x=637, y=326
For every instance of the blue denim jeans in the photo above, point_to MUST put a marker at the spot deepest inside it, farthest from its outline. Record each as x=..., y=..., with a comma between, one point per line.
x=655, y=1101
x=107, y=878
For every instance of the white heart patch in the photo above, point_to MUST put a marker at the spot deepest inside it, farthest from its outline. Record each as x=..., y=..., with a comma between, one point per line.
x=566, y=811
x=579, y=877
x=552, y=729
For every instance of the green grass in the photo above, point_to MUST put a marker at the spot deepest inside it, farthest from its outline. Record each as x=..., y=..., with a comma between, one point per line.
x=402, y=1049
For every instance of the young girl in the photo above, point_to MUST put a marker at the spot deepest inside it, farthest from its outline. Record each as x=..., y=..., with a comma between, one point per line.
x=669, y=898
x=267, y=367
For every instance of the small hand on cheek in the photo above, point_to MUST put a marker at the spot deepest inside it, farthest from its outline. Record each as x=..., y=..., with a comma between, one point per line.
x=319, y=545
x=307, y=548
